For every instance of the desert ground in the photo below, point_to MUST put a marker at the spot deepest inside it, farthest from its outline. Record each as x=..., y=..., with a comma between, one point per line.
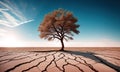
x=73, y=59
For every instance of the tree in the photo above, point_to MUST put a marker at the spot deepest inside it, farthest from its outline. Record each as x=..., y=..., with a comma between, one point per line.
x=59, y=24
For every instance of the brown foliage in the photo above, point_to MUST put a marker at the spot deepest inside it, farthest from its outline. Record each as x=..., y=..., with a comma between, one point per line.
x=60, y=24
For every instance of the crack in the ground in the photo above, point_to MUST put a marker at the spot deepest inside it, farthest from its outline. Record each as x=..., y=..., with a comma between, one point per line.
x=57, y=56
x=85, y=63
x=13, y=59
x=7, y=54
x=8, y=70
x=56, y=63
x=67, y=63
x=37, y=63
x=49, y=64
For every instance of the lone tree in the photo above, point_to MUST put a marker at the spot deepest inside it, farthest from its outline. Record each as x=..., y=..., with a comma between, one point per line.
x=59, y=24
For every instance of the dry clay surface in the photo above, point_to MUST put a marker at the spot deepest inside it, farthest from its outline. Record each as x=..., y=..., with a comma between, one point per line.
x=58, y=61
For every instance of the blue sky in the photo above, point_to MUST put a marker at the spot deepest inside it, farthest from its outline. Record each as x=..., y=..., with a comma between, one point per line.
x=99, y=19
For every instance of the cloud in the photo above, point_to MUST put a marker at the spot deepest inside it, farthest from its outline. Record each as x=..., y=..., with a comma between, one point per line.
x=26, y=21
x=12, y=15
x=10, y=6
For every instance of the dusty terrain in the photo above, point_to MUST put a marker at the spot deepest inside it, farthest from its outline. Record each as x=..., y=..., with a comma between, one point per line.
x=72, y=60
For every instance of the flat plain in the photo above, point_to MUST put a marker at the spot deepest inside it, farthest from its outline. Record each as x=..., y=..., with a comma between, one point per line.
x=73, y=59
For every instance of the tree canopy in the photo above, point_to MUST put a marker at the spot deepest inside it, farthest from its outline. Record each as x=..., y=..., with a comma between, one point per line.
x=59, y=24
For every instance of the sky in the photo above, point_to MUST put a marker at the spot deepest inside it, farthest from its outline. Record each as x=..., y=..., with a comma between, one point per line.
x=99, y=22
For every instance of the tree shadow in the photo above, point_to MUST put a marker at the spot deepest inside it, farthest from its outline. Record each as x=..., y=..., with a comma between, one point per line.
x=92, y=56
x=89, y=55
x=62, y=55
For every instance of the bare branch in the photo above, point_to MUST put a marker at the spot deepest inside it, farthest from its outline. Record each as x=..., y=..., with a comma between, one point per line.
x=68, y=37
x=56, y=30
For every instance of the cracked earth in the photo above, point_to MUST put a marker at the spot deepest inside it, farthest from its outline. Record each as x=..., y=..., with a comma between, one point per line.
x=58, y=61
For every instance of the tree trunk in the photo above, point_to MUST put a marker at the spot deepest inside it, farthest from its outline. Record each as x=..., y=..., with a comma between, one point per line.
x=62, y=43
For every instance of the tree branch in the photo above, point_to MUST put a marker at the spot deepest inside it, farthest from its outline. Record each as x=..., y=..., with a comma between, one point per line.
x=56, y=30
x=54, y=36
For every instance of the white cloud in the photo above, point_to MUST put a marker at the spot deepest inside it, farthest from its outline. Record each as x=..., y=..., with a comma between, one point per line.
x=11, y=21
x=12, y=15
x=26, y=21
x=10, y=6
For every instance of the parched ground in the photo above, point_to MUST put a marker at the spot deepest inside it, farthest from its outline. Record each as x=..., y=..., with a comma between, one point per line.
x=72, y=60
